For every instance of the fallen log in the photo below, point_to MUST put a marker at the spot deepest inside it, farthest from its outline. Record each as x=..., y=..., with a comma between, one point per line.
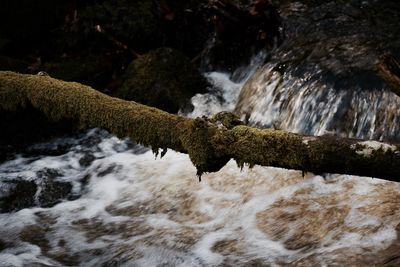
x=210, y=143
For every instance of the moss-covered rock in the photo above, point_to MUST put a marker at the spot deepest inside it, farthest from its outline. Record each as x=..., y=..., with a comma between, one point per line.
x=163, y=78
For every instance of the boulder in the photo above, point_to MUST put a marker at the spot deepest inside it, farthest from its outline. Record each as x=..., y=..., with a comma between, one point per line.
x=163, y=78
x=329, y=71
x=44, y=191
x=21, y=195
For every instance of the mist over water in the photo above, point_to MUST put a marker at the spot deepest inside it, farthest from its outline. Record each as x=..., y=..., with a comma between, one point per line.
x=126, y=208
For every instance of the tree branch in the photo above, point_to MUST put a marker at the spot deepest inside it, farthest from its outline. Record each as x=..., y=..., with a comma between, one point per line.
x=210, y=143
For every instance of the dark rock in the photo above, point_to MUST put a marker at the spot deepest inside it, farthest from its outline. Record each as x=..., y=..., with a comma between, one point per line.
x=52, y=192
x=331, y=51
x=24, y=194
x=37, y=150
x=344, y=40
x=36, y=235
x=21, y=196
x=23, y=128
x=3, y=245
x=389, y=70
x=163, y=78
x=107, y=170
x=241, y=30
x=86, y=160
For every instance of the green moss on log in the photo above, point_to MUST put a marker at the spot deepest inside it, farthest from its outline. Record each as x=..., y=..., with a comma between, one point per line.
x=209, y=144
x=88, y=108
x=267, y=147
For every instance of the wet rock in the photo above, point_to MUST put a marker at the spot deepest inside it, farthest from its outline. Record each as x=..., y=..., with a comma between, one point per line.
x=227, y=247
x=86, y=160
x=241, y=30
x=36, y=235
x=163, y=78
x=344, y=40
x=105, y=170
x=45, y=191
x=22, y=128
x=338, y=43
x=389, y=70
x=324, y=75
x=52, y=192
x=66, y=259
x=38, y=150
x=3, y=245
x=22, y=195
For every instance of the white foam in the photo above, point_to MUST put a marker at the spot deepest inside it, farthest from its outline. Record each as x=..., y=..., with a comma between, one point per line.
x=134, y=210
x=166, y=197
x=306, y=105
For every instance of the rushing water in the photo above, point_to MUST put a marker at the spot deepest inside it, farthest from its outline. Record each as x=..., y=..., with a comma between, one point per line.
x=308, y=105
x=126, y=208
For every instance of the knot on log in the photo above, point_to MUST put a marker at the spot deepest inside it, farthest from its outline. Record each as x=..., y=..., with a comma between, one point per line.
x=200, y=141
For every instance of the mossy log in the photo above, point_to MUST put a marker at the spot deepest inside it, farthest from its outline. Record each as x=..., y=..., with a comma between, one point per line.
x=209, y=143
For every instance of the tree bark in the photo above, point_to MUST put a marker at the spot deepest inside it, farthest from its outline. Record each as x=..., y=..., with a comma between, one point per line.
x=210, y=143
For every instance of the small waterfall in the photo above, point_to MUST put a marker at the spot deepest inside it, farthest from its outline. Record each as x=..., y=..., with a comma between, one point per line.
x=225, y=88
x=121, y=207
x=306, y=105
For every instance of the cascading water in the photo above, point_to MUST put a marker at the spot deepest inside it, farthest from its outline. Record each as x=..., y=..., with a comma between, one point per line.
x=225, y=90
x=126, y=208
x=309, y=106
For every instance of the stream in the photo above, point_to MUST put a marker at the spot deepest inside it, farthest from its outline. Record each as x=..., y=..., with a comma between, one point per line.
x=93, y=199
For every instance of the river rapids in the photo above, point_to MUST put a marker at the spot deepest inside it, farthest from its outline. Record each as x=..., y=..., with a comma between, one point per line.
x=122, y=206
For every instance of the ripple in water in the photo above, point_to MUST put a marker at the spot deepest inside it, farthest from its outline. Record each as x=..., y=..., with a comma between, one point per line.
x=134, y=210
x=123, y=207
